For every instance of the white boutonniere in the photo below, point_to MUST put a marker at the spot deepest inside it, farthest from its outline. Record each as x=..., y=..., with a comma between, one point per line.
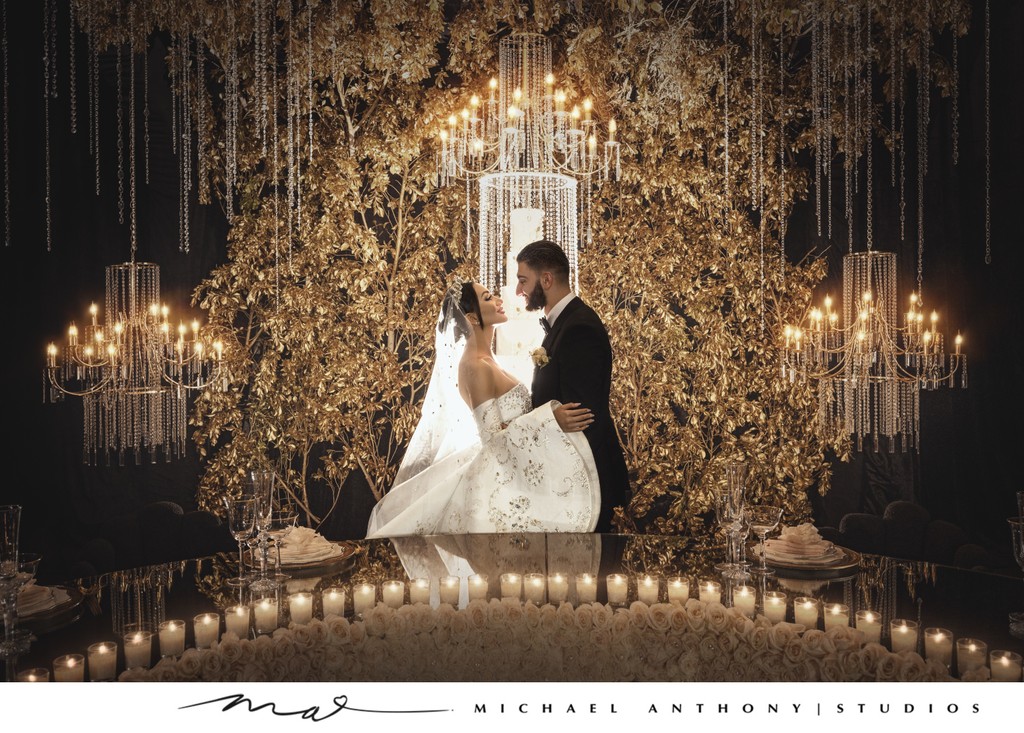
x=539, y=356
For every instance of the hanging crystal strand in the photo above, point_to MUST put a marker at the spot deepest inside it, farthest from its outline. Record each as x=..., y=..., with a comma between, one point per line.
x=230, y=114
x=46, y=114
x=782, y=147
x=7, y=140
x=869, y=131
x=145, y=102
x=817, y=117
x=272, y=94
x=309, y=79
x=202, y=161
x=88, y=29
x=988, y=137
x=120, y=125
x=754, y=101
x=857, y=119
x=894, y=92
x=922, y=125
x=956, y=99
x=131, y=123
x=901, y=70
x=725, y=45
x=829, y=132
x=847, y=140
x=72, y=92
x=264, y=45
x=95, y=52
x=289, y=111
x=186, y=135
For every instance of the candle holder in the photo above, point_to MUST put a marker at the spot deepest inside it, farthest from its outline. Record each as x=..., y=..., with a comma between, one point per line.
x=648, y=589
x=938, y=645
x=773, y=604
x=236, y=620
x=511, y=585
x=970, y=654
x=35, y=674
x=364, y=598
x=805, y=612
x=869, y=623
x=617, y=588
x=172, y=638
x=533, y=588
x=69, y=668
x=138, y=649
x=744, y=599
x=419, y=590
x=300, y=608
x=333, y=601
x=558, y=589
x=206, y=629
x=265, y=612
x=710, y=591
x=586, y=588
x=678, y=589
x=836, y=614
x=393, y=593
x=903, y=635
x=1005, y=666
x=478, y=587
x=449, y=588
x=102, y=657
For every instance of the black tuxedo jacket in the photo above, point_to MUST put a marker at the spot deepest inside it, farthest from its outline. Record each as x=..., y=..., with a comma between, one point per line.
x=579, y=369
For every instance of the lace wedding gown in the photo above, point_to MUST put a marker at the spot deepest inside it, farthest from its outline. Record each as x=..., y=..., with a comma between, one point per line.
x=524, y=475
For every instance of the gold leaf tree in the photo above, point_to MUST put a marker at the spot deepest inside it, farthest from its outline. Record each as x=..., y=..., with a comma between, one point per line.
x=341, y=243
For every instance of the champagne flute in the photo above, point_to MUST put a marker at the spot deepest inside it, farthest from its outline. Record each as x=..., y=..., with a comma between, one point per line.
x=241, y=521
x=762, y=520
x=1017, y=533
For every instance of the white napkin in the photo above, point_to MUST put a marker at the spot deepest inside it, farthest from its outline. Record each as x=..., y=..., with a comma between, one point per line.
x=34, y=598
x=300, y=545
x=801, y=543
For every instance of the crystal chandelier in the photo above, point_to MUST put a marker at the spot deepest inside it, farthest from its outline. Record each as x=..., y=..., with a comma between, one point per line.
x=132, y=373
x=531, y=150
x=869, y=369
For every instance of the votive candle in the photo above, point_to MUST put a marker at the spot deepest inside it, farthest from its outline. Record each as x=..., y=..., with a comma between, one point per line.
x=478, y=587
x=393, y=593
x=69, y=668
x=102, y=658
x=938, y=645
x=903, y=635
x=870, y=624
x=837, y=614
x=1006, y=666
x=206, y=627
x=333, y=600
x=300, y=607
x=172, y=638
x=533, y=587
x=678, y=589
x=419, y=590
x=265, y=612
x=36, y=674
x=586, y=588
x=805, y=612
x=648, y=589
x=236, y=620
x=511, y=585
x=558, y=588
x=710, y=591
x=774, y=603
x=449, y=589
x=618, y=588
x=970, y=654
x=744, y=599
x=364, y=596
x=138, y=649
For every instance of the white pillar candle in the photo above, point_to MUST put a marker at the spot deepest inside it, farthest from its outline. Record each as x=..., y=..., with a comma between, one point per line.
x=206, y=627
x=364, y=597
x=533, y=587
x=35, y=674
x=970, y=654
x=558, y=588
x=300, y=608
x=938, y=645
x=393, y=593
x=511, y=585
x=648, y=589
x=744, y=599
x=172, y=638
x=478, y=587
x=69, y=668
x=618, y=588
x=138, y=649
x=449, y=589
x=419, y=590
x=236, y=620
x=836, y=614
x=1006, y=666
x=102, y=658
x=333, y=601
x=870, y=624
x=710, y=591
x=774, y=603
x=586, y=588
x=903, y=635
x=265, y=613
x=805, y=612
x=678, y=590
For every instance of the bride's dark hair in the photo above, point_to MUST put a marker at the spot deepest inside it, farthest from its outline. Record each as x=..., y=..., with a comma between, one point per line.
x=463, y=301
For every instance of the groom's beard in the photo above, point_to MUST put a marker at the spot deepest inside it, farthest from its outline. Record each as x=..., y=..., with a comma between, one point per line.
x=535, y=299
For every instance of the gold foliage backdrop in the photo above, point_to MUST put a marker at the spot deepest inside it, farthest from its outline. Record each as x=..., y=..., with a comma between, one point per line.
x=313, y=124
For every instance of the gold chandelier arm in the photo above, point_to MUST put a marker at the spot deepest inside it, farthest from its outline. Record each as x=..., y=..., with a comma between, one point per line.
x=51, y=374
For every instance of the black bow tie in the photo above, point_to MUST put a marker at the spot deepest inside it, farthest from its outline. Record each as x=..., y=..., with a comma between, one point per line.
x=545, y=325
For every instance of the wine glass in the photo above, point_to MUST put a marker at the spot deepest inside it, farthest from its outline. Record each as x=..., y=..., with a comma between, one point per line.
x=728, y=514
x=10, y=523
x=262, y=482
x=241, y=521
x=1017, y=533
x=762, y=520
x=281, y=522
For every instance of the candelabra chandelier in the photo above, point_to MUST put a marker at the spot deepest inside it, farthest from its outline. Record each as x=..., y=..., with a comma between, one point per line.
x=870, y=370
x=531, y=151
x=132, y=373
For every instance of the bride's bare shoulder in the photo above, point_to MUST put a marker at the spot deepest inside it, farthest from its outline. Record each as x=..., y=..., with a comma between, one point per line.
x=477, y=381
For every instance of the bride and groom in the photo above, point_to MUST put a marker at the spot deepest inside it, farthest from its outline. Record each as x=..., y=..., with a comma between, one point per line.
x=490, y=455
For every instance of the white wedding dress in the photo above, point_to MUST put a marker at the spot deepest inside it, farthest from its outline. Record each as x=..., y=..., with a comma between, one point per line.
x=523, y=474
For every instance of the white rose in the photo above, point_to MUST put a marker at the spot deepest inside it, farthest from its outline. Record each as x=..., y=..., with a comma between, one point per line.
x=695, y=615
x=476, y=612
x=253, y=672
x=338, y=630
x=638, y=615
x=830, y=670
x=888, y=666
x=213, y=665
x=531, y=616
x=717, y=617
x=602, y=614
x=584, y=617
x=357, y=633
x=459, y=627
x=621, y=621
x=912, y=668
x=284, y=649
x=978, y=674
x=230, y=649
x=166, y=670
x=689, y=665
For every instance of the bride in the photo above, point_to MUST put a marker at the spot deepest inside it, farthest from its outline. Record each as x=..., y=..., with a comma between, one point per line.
x=480, y=459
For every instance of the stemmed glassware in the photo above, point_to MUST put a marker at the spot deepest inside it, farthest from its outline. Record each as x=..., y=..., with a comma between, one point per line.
x=281, y=521
x=241, y=522
x=11, y=581
x=763, y=519
x=1017, y=533
x=262, y=481
x=729, y=514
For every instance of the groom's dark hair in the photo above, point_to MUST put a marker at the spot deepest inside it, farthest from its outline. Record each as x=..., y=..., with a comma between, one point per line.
x=545, y=256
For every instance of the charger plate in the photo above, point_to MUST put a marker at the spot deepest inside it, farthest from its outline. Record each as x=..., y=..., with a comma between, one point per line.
x=846, y=564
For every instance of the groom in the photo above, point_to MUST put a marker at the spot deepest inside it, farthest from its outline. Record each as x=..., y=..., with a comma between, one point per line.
x=579, y=366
